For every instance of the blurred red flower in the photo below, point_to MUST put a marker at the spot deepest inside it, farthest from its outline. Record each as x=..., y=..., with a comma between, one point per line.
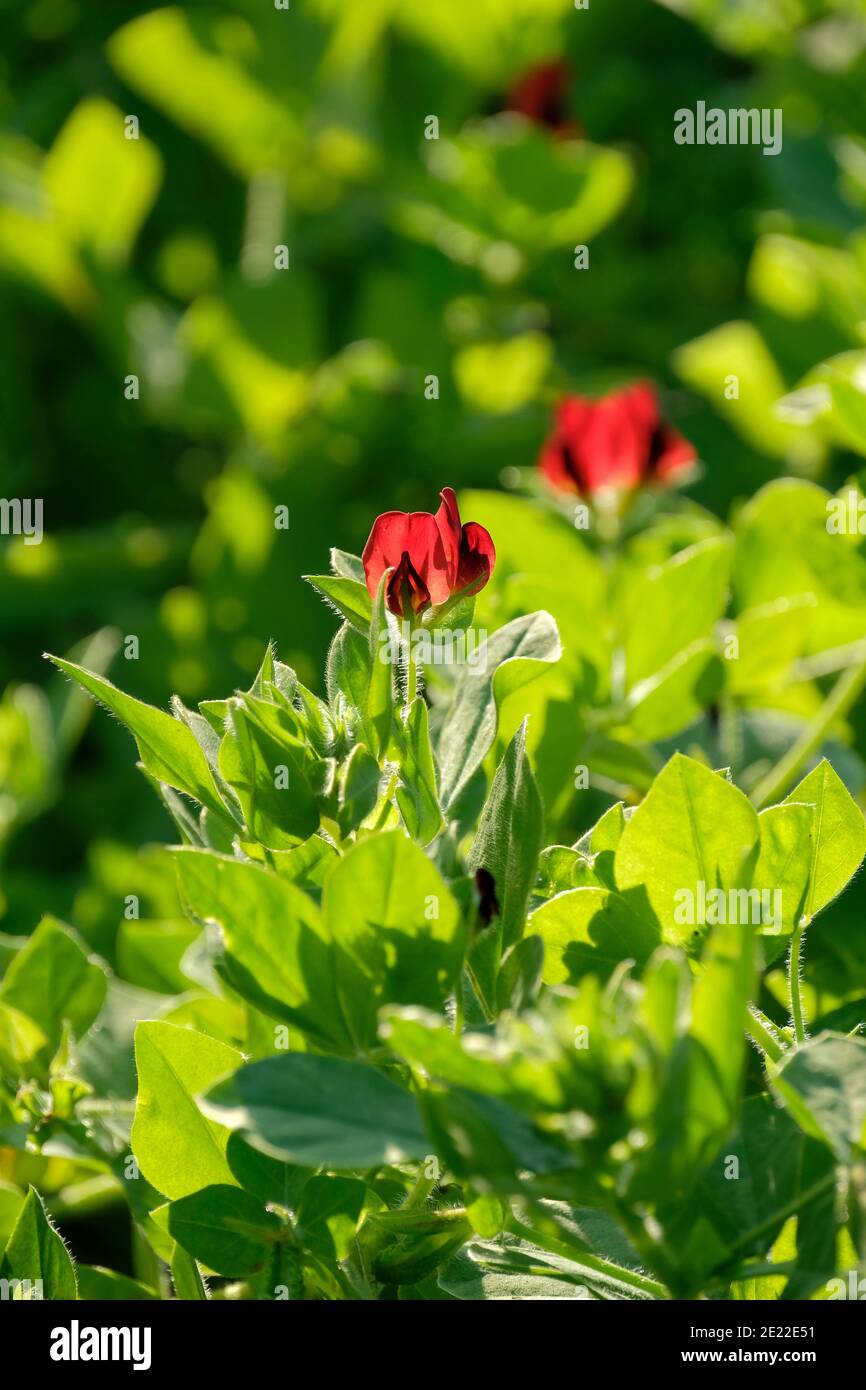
x=619, y=441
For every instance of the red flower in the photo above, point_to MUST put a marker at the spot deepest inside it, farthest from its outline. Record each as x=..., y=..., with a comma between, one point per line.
x=619, y=441
x=433, y=558
x=540, y=96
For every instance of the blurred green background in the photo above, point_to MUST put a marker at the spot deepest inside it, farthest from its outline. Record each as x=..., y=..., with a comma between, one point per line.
x=164, y=386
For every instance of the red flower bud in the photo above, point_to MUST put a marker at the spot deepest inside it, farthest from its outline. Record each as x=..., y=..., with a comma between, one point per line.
x=619, y=441
x=434, y=558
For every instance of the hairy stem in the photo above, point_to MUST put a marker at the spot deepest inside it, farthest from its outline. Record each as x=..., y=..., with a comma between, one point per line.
x=795, y=992
x=411, y=677
x=759, y=1029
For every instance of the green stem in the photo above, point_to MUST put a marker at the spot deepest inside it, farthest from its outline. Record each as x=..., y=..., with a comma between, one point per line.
x=795, y=992
x=420, y=1191
x=836, y=706
x=411, y=678
x=459, y=1006
x=758, y=1029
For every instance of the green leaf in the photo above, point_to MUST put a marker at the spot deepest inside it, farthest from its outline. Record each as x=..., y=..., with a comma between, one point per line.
x=181, y=69
x=222, y=1227
x=784, y=860
x=287, y=971
x=11, y=1202
x=513, y=1270
x=22, y=1044
x=561, y=868
x=693, y=827
x=36, y=1257
x=55, y=982
x=150, y=953
x=674, y=696
x=617, y=767
x=507, y=660
x=701, y=1089
x=269, y=1179
x=785, y=547
x=101, y=185
x=738, y=349
x=483, y=1139
x=601, y=843
x=348, y=676
x=779, y=1171
x=98, y=1285
x=167, y=747
x=308, y=865
x=319, y=1110
x=417, y=795
x=503, y=376
x=823, y=1084
x=839, y=837
x=328, y=1214
x=397, y=929
x=472, y=1060
x=674, y=604
x=267, y=774
x=531, y=541
x=520, y=975
x=358, y=788
x=510, y=182
x=176, y=1148
x=720, y=999
x=590, y=931
x=348, y=565
x=770, y=637
x=509, y=837
x=350, y=598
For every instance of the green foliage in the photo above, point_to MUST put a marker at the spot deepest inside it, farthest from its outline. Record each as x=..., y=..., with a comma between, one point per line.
x=36, y=1262
x=460, y=982
x=416, y=1024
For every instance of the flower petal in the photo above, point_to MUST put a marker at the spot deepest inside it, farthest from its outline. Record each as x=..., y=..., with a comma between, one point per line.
x=614, y=445
x=560, y=460
x=448, y=522
x=477, y=558
x=416, y=534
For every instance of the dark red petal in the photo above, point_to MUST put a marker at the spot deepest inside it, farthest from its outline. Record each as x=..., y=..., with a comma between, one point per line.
x=561, y=460
x=671, y=455
x=416, y=534
x=448, y=522
x=477, y=558
x=556, y=465
x=406, y=593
